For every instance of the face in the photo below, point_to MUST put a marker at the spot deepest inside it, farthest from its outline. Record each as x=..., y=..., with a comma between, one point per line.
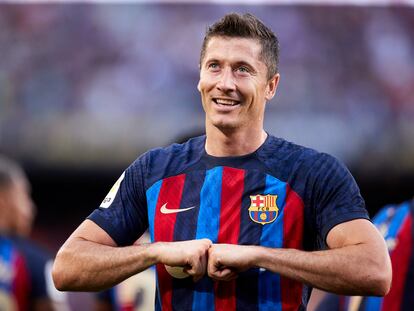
x=18, y=206
x=25, y=208
x=233, y=84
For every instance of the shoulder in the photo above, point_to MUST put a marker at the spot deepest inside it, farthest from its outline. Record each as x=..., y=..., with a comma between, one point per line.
x=192, y=146
x=286, y=155
x=171, y=160
x=313, y=175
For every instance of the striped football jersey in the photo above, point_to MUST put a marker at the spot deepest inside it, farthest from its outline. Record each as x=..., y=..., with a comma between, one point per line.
x=280, y=196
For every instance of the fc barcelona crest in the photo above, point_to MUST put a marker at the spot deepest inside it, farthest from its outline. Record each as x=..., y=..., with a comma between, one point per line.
x=263, y=208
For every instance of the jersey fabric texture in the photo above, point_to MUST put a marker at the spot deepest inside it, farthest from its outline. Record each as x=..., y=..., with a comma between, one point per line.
x=36, y=260
x=395, y=222
x=280, y=196
x=14, y=282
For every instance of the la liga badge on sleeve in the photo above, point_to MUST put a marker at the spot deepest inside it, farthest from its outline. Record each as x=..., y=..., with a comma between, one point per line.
x=263, y=208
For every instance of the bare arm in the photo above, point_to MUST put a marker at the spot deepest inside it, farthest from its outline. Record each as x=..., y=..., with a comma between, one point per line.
x=357, y=262
x=90, y=259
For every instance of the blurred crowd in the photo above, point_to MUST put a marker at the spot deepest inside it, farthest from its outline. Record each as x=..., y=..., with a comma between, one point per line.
x=97, y=84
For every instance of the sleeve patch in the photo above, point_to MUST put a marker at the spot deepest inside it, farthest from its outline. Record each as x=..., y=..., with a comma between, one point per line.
x=112, y=193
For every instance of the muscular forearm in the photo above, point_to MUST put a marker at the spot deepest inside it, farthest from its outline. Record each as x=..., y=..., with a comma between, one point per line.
x=357, y=262
x=349, y=270
x=82, y=264
x=88, y=266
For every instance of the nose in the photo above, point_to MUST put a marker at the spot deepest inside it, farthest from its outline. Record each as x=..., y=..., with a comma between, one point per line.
x=226, y=81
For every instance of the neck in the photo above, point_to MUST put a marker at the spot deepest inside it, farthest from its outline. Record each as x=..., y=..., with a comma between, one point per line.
x=233, y=142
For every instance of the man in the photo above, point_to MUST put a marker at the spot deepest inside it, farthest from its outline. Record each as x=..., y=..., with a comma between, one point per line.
x=17, y=215
x=395, y=222
x=240, y=211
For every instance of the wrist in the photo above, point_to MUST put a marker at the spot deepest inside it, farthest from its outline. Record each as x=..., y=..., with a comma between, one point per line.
x=261, y=257
x=154, y=252
x=254, y=256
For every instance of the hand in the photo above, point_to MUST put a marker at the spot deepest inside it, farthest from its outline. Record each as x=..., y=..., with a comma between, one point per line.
x=192, y=255
x=225, y=261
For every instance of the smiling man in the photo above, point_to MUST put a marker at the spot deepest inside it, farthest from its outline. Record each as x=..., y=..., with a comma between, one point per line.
x=238, y=219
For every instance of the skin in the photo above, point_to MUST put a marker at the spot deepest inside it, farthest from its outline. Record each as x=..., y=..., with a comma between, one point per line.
x=24, y=207
x=232, y=71
x=357, y=262
x=17, y=208
x=91, y=260
x=17, y=211
x=234, y=91
x=352, y=266
x=6, y=215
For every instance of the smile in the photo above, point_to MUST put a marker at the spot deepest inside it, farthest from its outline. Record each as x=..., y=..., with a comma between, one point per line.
x=225, y=102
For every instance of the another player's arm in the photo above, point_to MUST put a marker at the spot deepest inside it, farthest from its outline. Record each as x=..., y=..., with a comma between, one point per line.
x=90, y=259
x=357, y=262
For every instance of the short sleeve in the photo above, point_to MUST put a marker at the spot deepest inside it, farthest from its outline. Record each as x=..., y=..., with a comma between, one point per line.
x=36, y=259
x=335, y=196
x=123, y=212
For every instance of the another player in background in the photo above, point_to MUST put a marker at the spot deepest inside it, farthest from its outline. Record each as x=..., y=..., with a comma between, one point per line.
x=14, y=278
x=395, y=222
x=17, y=212
x=256, y=221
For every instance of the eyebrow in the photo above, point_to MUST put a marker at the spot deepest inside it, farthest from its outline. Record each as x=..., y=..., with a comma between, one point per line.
x=236, y=63
x=247, y=64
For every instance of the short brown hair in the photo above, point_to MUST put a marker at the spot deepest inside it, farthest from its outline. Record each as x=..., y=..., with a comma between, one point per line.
x=246, y=26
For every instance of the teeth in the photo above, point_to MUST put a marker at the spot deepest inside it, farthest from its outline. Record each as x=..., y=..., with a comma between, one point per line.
x=226, y=102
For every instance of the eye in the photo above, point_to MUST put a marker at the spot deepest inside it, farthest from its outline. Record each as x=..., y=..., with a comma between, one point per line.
x=243, y=69
x=213, y=66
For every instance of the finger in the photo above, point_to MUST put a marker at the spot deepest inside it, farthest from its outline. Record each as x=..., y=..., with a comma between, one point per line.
x=225, y=274
x=212, y=266
x=215, y=268
x=197, y=268
x=232, y=276
x=195, y=272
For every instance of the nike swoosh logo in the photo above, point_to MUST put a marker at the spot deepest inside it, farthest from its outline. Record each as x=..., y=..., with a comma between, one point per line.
x=166, y=210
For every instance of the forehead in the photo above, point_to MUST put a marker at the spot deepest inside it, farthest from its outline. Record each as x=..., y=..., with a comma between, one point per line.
x=233, y=49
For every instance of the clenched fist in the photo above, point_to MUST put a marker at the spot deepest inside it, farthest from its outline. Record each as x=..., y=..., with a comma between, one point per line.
x=225, y=261
x=191, y=255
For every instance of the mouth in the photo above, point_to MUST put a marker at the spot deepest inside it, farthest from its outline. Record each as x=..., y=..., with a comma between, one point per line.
x=226, y=102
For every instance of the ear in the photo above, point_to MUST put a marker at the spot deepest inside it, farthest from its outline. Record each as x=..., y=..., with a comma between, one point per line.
x=272, y=86
x=198, y=86
x=4, y=192
x=3, y=200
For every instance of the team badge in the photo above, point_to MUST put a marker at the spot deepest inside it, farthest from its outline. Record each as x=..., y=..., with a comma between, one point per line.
x=263, y=208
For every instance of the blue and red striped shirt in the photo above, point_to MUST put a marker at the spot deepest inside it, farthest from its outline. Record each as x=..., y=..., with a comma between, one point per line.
x=281, y=196
x=14, y=279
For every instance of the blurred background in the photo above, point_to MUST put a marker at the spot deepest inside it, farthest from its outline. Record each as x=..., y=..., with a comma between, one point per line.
x=85, y=88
